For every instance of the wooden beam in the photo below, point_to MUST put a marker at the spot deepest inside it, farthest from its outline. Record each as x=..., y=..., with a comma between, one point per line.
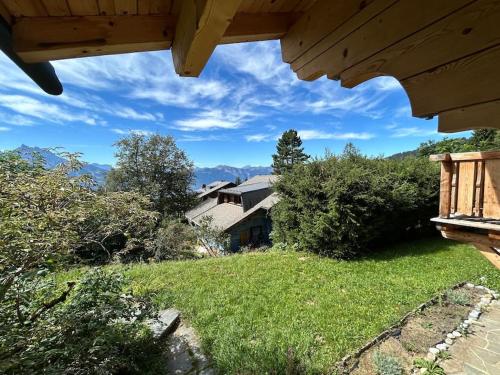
x=200, y=27
x=478, y=116
x=489, y=254
x=25, y=8
x=471, y=237
x=468, y=30
x=252, y=27
x=375, y=28
x=466, y=156
x=48, y=38
x=471, y=80
x=322, y=19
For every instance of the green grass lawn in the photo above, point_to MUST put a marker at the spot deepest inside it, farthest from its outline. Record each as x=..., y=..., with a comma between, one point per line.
x=250, y=309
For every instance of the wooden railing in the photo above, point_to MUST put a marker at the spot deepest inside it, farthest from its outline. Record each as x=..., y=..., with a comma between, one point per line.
x=470, y=184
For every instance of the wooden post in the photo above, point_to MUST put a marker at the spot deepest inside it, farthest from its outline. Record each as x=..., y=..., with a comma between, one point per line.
x=445, y=189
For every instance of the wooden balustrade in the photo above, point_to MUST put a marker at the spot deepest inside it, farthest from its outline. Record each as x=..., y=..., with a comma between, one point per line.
x=469, y=203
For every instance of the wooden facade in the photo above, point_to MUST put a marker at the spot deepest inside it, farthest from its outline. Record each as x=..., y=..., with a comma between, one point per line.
x=469, y=207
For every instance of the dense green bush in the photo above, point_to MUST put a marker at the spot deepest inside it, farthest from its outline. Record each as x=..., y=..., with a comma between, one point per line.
x=345, y=204
x=93, y=329
x=174, y=240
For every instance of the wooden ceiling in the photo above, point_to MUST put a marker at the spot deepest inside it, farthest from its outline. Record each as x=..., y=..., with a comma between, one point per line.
x=445, y=53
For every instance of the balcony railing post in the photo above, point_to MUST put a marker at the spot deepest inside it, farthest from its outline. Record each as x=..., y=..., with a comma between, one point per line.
x=446, y=188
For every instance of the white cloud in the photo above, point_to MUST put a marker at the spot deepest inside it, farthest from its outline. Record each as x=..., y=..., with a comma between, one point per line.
x=131, y=131
x=4, y=129
x=259, y=137
x=318, y=134
x=16, y=120
x=216, y=119
x=412, y=132
x=387, y=83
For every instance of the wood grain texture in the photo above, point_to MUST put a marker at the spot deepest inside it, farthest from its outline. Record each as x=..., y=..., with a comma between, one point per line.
x=466, y=188
x=491, y=208
x=472, y=80
x=478, y=116
x=42, y=39
x=445, y=189
x=83, y=7
x=56, y=8
x=200, y=27
x=25, y=8
x=467, y=30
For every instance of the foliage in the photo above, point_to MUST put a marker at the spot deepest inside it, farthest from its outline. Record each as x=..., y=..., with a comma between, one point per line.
x=118, y=224
x=341, y=204
x=481, y=140
x=97, y=329
x=237, y=180
x=288, y=152
x=40, y=211
x=155, y=167
x=249, y=309
x=212, y=238
x=174, y=240
x=432, y=367
x=458, y=297
x=386, y=364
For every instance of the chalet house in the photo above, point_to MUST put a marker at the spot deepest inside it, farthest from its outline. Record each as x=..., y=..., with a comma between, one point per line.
x=210, y=190
x=242, y=211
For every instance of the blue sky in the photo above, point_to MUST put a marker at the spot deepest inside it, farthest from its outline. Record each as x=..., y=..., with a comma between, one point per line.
x=245, y=98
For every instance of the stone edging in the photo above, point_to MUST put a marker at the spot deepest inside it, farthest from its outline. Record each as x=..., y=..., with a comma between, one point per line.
x=345, y=367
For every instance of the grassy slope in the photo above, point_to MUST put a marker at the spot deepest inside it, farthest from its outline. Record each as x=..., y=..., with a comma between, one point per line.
x=249, y=309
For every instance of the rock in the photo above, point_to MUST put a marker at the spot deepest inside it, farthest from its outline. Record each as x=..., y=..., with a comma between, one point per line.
x=480, y=287
x=442, y=347
x=469, y=285
x=165, y=323
x=423, y=370
x=431, y=356
x=449, y=341
x=450, y=336
x=495, y=295
x=467, y=321
x=456, y=334
x=434, y=351
x=474, y=314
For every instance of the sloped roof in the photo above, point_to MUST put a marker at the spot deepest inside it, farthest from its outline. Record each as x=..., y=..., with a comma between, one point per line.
x=267, y=178
x=227, y=215
x=202, y=207
x=255, y=183
x=214, y=186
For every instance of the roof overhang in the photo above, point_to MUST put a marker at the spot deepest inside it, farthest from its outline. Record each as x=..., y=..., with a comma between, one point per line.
x=444, y=53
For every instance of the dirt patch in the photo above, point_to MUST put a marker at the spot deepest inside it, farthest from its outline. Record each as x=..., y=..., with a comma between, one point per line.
x=417, y=332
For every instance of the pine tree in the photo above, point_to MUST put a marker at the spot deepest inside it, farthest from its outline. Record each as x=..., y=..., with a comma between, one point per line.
x=237, y=181
x=289, y=152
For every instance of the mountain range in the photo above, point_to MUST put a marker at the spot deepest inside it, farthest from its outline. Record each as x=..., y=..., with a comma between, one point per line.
x=99, y=171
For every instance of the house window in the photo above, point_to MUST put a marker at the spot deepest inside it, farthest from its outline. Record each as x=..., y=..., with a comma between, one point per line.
x=244, y=237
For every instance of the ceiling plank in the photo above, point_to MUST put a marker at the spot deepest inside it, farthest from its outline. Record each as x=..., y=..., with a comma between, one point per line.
x=324, y=17
x=471, y=80
x=200, y=27
x=46, y=38
x=468, y=30
x=83, y=7
x=378, y=33
x=106, y=7
x=126, y=7
x=56, y=7
x=25, y=8
x=479, y=116
x=5, y=14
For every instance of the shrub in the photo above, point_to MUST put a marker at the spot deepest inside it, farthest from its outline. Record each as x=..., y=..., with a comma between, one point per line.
x=339, y=205
x=386, y=364
x=94, y=328
x=458, y=297
x=174, y=240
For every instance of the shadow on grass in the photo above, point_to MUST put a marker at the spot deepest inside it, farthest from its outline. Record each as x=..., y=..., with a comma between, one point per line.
x=413, y=248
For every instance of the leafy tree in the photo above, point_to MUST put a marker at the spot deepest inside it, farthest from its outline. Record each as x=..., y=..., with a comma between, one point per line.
x=212, y=238
x=481, y=140
x=45, y=328
x=154, y=166
x=288, y=152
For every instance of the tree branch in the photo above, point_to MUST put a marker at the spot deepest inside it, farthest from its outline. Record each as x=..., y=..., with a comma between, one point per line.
x=48, y=305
